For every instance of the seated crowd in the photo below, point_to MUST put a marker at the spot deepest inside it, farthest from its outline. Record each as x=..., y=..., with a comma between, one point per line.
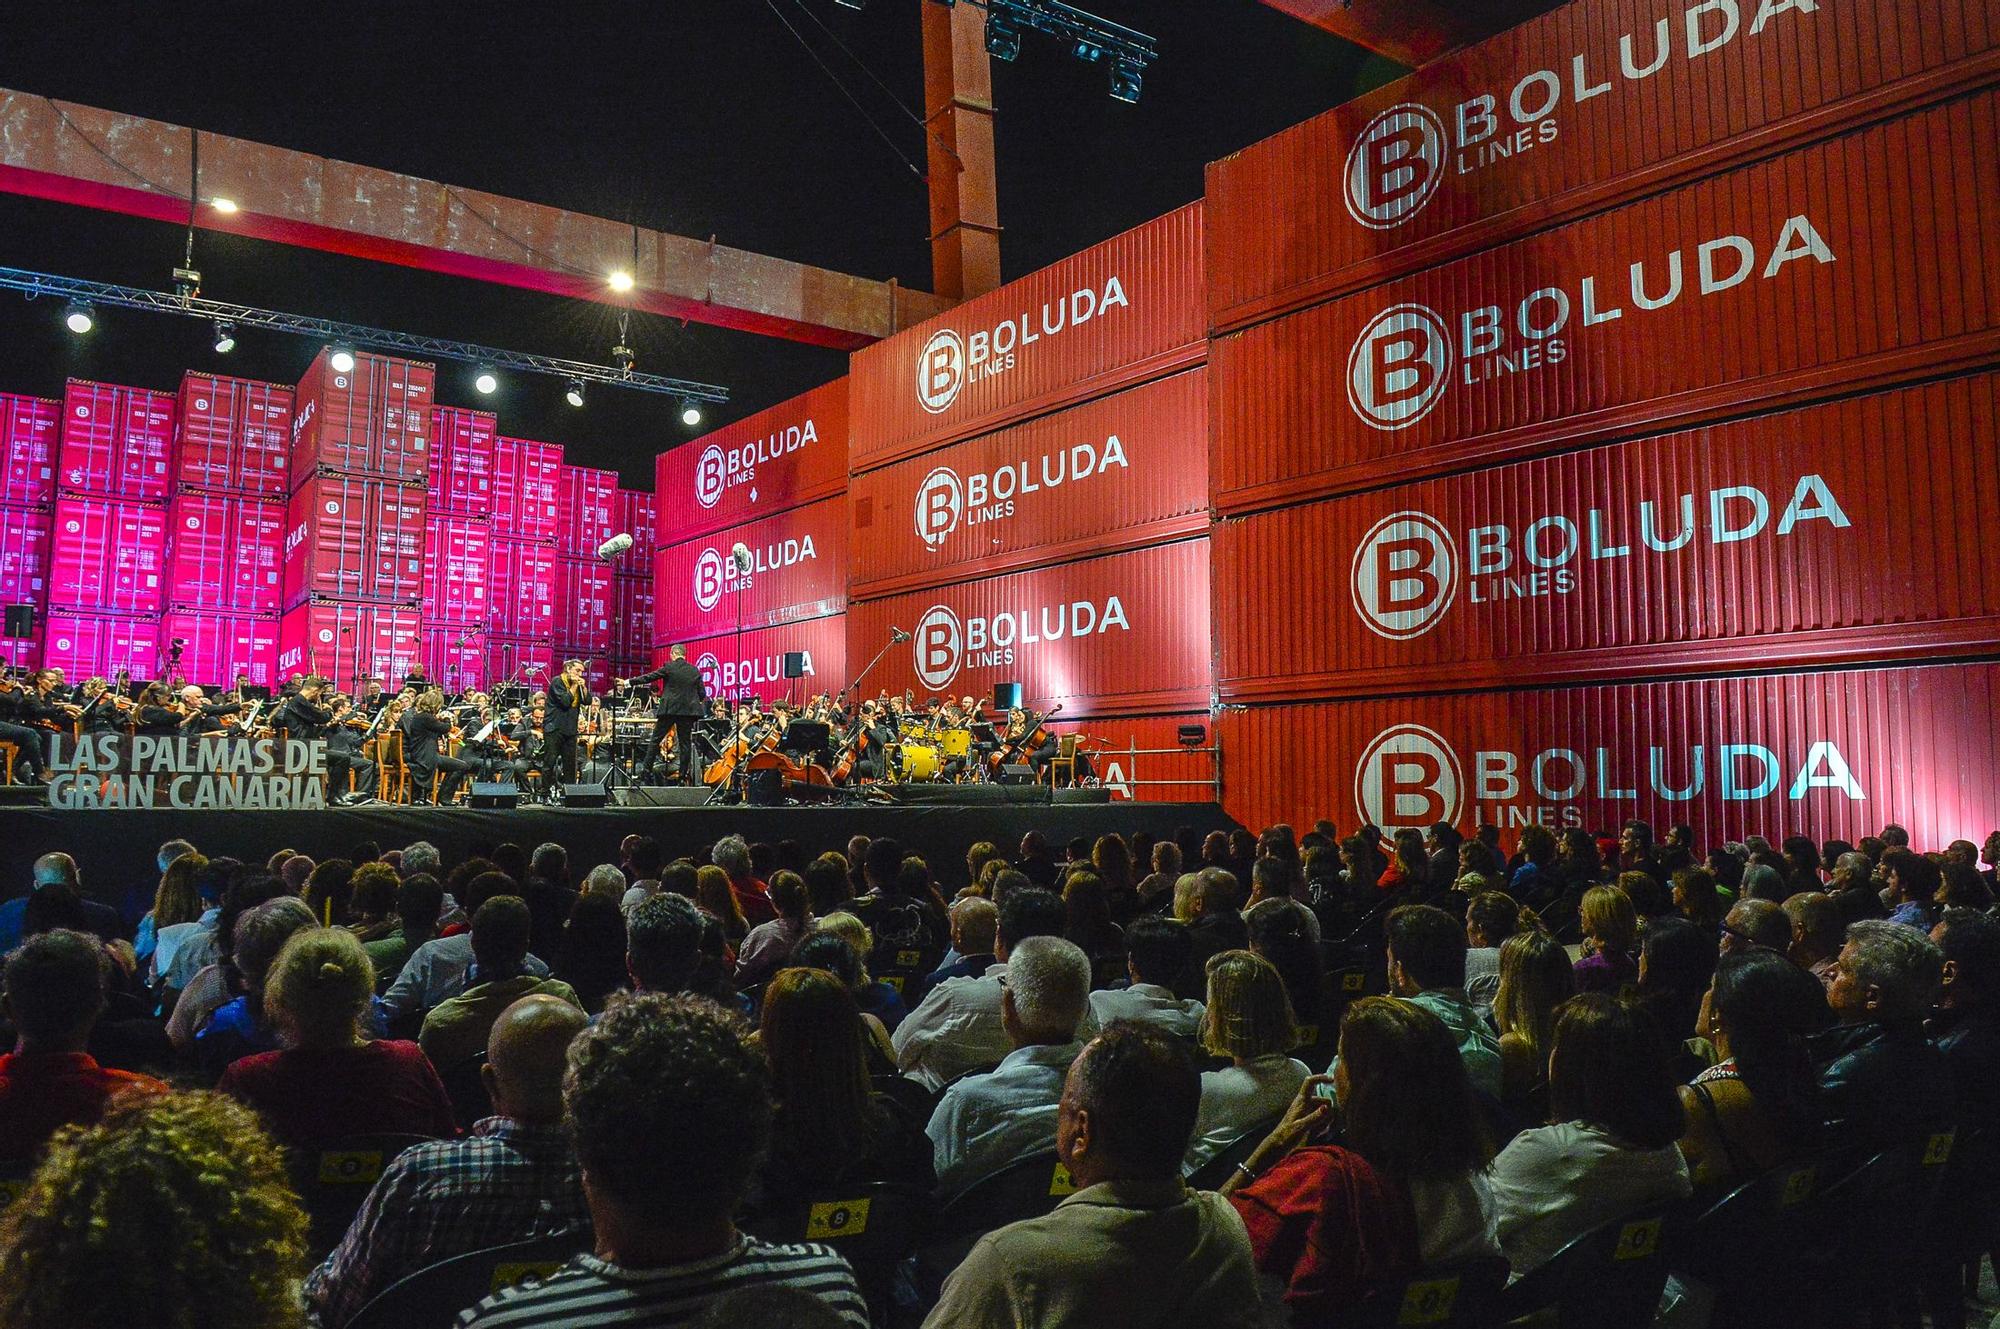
x=1281, y=1072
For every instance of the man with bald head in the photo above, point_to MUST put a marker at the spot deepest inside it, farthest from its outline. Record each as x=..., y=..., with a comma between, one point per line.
x=58, y=871
x=514, y=1178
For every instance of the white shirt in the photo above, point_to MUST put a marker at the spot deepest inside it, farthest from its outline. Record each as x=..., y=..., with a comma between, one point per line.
x=1555, y=1183
x=1456, y=1219
x=177, y=950
x=1148, y=1003
x=435, y=971
x=988, y=1121
x=1236, y=1098
x=957, y=1029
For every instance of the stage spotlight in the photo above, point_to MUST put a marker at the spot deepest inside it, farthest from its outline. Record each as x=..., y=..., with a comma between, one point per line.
x=225, y=206
x=487, y=381
x=621, y=281
x=78, y=318
x=575, y=394
x=1003, y=41
x=690, y=414
x=342, y=358
x=1125, y=80
x=225, y=336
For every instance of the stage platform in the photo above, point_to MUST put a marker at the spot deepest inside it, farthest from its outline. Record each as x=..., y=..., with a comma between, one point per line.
x=114, y=848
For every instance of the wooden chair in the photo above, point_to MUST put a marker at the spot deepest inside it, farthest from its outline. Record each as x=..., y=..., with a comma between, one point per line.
x=1065, y=760
x=7, y=754
x=394, y=771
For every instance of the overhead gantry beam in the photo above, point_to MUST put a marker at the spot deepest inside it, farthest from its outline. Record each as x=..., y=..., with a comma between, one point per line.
x=147, y=168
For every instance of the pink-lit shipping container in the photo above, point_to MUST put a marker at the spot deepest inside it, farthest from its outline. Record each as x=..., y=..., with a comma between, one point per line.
x=782, y=457
x=225, y=552
x=526, y=660
x=798, y=571
x=1567, y=114
x=583, y=601
x=1827, y=755
x=1118, y=313
x=218, y=646
x=527, y=478
x=1781, y=541
x=1115, y=473
x=30, y=442
x=108, y=556
x=638, y=519
x=586, y=508
x=116, y=442
x=374, y=419
x=521, y=587
x=1858, y=263
x=453, y=654
x=755, y=667
x=349, y=642
x=1123, y=634
x=233, y=434
x=91, y=645
x=25, y=544
x=462, y=461
x=632, y=617
x=456, y=554
x=24, y=652
x=355, y=537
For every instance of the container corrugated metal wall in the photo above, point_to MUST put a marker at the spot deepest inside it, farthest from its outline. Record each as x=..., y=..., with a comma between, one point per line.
x=1854, y=263
x=756, y=666
x=26, y=547
x=374, y=419
x=218, y=646
x=349, y=642
x=30, y=442
x=462, y=461
x=782, y=457
x=632, y=634
x=452, y=655
x=527, y=480
x=233, y=435
x=116, y=442
x=1116, y=473
x=225, y=553
x=798, y=571
x=1827, y=755
x=1584, y=107
x=583, y=597
x=529, y=660
x=1118, y=313
x=1123, y=634
x=637, y=518
x=83, y=645
x=1841, y=533
x=355, y=536
x=1140, y=758
x=586, y=506
x=109, y=556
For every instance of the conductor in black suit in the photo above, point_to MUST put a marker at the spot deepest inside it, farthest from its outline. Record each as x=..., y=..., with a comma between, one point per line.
x=568, y=695
x=683, y=700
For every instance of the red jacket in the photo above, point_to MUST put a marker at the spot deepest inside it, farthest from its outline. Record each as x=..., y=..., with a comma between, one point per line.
x=1330, y=1226
x=41, y=1091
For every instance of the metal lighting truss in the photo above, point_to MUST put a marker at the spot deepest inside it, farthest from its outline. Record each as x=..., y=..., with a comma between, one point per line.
x=1125, y=51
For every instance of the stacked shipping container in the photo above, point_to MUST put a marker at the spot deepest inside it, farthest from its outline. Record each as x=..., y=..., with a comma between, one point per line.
x=1526, y=284
x=29, y=440
x=586, y=510
x=521, y=562
x=458, y=530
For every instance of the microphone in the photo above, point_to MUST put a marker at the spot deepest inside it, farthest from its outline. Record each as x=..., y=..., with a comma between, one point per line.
x=897, y=634
x=468, y=635
x=613, y=547
x=740, y=556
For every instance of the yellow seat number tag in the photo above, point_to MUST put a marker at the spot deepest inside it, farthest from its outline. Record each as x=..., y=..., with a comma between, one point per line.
x=350, y=1167
x=1428, y=1302
x=831, y=1219
x=520, y=1271
x=1638, y=1240
x=1061, y=1183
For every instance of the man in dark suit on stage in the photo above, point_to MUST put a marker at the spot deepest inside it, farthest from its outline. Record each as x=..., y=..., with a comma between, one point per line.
x=568, y=695
x=683, y=700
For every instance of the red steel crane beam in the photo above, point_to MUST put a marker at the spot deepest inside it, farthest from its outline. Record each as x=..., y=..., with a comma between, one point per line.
x=142, y=168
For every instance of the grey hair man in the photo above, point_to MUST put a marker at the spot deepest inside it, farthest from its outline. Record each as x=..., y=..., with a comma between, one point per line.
x=1882, y=1083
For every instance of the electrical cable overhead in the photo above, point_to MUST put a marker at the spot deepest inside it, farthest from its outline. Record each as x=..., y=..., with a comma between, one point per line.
x=852, y=100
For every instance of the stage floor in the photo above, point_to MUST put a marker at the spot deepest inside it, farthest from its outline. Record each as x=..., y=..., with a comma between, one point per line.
x=114, y=848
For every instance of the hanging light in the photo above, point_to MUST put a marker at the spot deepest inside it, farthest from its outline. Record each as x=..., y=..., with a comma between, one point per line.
x=575, y=394
x=620, y=280
x=487, y=381
x=342, y=358
x=690, y=414
x=225, y=336
x=225, y=206
x=78, y=317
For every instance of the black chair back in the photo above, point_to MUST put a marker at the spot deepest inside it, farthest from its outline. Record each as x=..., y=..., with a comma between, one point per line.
x=1758, y=1241
x=1210, y=1175
x=1611, y=1277
x=435, y=1296
x=875, y=1226
x=910, y=1100
x=333, y=1177
x=466, y=1088
x=1455, y=1296
x=1027, y=1189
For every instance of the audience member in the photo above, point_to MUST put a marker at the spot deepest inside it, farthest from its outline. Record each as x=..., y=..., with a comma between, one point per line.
x=753, y=897
x=1610, y=935
x=1697, y=899
x=1756, y=922
x=241, y=1026
x=1882, y=1083
x=1278, y=934
x=438, y=968
x=1490, y=918
x=1249, y=1020
x=593, y=948
x=1536, y=978
x=50, y=871
x=871, y=994
x=1966, y=1025
x=371, y=902
x=1913, y=882
x=769, y=945
x=664, y=952
x=456, y=1028
x=1676, y=962
x=974, y=925
x=218, y=982
x=713, y=893
x=176, y=899
x=1816, y=933
x=1156, y=950
x=1426, y=960
x=1216, y=926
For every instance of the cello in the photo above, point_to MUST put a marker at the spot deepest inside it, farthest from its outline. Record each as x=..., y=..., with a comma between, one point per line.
x=1033, y=735
x=738, y=749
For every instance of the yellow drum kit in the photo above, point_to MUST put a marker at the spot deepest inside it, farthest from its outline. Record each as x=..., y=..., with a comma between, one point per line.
x=928, y=750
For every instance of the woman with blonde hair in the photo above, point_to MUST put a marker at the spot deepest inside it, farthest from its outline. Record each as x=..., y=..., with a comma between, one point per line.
x=329, y=1079
x=1187, y=896
x=875, y=997
x=1610, y=937
x=175, y=900
x=1535, y=978
x=712, y=892
x=199, y=1207
x=1249, y=1020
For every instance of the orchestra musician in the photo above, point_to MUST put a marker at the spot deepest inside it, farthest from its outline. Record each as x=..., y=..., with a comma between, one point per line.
x=424, y=734
x=158, y=715
x=20, y=711
x=683, y=695
x=526, y=731
x=568, y=694
x=203, y=716
x=305, y=715
x=104, y=711
x=878, y=733
x=345, y=754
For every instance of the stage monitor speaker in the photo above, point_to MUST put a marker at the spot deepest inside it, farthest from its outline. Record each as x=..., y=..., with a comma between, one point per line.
x=584, y=796
x=1017, y=775
x=1006, y=696
x=1084, y=795
x=484, y=795
x=659, y=796
x=20, y=621
x=795, y=664
x=765, y=789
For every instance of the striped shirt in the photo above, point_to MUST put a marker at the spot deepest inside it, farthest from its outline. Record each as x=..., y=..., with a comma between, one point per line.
x=588, y=1291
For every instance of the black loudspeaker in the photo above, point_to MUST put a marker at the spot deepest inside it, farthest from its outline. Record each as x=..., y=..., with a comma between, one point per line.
x=1006, y=696
x=585, y=796
x=20, y=621
x=795, y=664
x=1017, y=775
x=766, y=789
x=659, y=796
x=485, y=795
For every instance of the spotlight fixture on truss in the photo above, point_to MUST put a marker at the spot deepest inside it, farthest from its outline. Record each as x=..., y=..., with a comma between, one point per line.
x=1125, y=52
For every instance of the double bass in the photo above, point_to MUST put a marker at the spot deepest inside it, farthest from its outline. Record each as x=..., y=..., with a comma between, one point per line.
x=740, y=748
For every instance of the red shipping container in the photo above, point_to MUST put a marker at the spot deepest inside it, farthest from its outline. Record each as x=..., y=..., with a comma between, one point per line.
x=1567, y=114
x=30, y=441
x=1857, y=263
x=25, y=541
x=116, y=442
x=636, y=518
x=521, y=587
x=1826, y=755
x=1115, y=473
x=1124, y=634
x=598, y=672
x=109, y=556
x=349, y=642
x=798, y=570
x=462, y=460
x=217, y=646
x=453, y=654
x=355, y=537
x=234, y=434
x=1118, y=313
x=1774, y=542
x=527, y=660
x=754, y=666
x=527, y=482
x=374, y=419
x=782, y=457
x=1140, y=758
x=225, y=552
x=583, y=599
x=632, y=616
x=99, y=645
x=456, y=553
x=586, y=508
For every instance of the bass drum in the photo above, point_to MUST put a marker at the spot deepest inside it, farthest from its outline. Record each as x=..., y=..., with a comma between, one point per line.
x=956, y=743
x=917, y=761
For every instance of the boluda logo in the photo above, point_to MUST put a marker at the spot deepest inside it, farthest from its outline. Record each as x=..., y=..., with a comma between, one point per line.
x=943, y=644
x=949, y=361
x=720, y=469
x=713, y=574
x=1404, y=576
x=1400, y=158
x=1410, y=776
x=736, y=679
x=943, y=499
x=1408, y=355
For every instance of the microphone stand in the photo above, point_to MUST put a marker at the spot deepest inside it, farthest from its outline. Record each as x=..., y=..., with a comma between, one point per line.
x=896, y=636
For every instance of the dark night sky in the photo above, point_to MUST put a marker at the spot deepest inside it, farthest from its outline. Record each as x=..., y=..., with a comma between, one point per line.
x=696, y=116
